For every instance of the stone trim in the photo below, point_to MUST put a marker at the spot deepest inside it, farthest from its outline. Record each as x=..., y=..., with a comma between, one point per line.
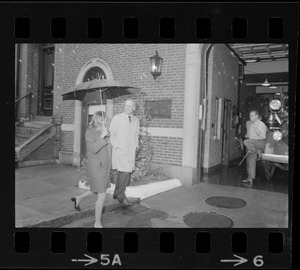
x=67, y=127
x=166, y=132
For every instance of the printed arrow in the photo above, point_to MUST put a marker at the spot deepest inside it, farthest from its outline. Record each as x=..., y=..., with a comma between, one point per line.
x=90, y=260
x=239, y=261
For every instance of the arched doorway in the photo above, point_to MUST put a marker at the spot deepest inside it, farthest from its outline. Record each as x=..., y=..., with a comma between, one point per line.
x=88, y=108
x=93, y=69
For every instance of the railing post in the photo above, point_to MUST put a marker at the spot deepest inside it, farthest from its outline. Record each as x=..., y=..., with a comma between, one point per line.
x=29, y=108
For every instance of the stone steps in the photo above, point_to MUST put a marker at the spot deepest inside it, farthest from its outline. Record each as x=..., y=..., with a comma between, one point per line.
x=25, y=131
x=22, y=134
x=35, y=124
x=45, y=119
x=20, y=140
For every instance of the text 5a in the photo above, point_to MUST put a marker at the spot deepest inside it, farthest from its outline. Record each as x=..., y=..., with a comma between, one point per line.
x=107, y=259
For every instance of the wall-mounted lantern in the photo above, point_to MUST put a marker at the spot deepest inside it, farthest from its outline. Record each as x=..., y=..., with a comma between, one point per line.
x=266, y=83
x=156, y=63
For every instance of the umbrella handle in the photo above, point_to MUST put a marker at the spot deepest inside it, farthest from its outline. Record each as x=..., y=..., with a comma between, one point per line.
x=101, y=102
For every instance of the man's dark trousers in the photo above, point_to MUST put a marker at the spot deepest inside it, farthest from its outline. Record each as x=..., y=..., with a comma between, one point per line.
x=253, y=146
x=122, y=180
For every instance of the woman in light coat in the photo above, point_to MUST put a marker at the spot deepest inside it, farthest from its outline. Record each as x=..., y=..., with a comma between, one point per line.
x=99, y=164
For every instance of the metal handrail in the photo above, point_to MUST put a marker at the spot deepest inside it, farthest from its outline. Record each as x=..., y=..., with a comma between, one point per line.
x=19, y=99
x=29, y=107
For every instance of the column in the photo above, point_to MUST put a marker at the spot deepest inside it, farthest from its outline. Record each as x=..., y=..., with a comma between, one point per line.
x=77, y=133
x=191, y=105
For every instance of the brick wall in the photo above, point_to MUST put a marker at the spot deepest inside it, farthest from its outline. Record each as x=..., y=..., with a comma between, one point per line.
x=67, y=141
x=129, y=63
x=222, y=83
x=167, y=150
x=63, y=78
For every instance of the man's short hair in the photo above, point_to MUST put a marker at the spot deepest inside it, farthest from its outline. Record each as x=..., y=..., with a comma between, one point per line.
x=132, y=100
x=256, y=112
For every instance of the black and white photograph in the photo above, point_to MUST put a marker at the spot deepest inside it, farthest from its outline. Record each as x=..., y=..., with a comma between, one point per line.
x=152, y=135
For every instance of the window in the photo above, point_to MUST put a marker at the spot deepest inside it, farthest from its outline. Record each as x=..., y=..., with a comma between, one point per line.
x=94, y=73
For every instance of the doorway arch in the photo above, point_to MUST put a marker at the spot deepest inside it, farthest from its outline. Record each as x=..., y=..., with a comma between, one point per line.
x=92, y=63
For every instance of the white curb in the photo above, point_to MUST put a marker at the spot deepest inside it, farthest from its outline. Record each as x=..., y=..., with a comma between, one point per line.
x=148, y=190
x=143, y=191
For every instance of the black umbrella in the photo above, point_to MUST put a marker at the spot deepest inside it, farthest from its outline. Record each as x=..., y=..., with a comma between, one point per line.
x=96, y=90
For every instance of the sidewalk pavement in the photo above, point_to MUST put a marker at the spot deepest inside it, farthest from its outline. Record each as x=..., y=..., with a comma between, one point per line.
x=264, y=209
x=43, y=196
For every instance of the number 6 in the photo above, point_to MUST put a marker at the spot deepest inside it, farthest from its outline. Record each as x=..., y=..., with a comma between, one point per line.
x=258, y=261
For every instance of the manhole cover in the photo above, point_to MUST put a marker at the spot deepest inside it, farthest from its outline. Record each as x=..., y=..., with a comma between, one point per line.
x=207, y=220
x=226, y=202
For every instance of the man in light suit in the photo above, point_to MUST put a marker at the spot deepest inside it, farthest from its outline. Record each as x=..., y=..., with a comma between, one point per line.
x=124, y=137
x=255, y=144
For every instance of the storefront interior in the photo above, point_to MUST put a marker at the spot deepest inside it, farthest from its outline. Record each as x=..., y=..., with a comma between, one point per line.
x=264, y=77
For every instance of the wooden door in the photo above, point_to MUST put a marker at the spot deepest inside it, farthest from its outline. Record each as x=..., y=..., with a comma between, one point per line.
x=47, y=79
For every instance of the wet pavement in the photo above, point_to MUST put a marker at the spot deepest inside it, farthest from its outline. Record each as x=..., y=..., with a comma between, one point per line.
x=136, y=216
x=232, y=176
x=43, y=197
x=167, y=210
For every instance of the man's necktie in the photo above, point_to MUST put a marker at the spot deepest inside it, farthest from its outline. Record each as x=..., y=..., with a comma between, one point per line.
x=129, y=116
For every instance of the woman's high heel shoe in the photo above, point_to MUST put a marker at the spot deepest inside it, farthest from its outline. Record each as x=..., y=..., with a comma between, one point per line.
x=77, y=208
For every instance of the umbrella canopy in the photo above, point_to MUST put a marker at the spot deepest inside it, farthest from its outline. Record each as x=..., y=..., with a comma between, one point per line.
x=89, y=91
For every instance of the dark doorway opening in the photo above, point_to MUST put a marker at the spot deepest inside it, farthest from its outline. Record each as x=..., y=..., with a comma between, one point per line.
x=94, y=73
x=45, y=107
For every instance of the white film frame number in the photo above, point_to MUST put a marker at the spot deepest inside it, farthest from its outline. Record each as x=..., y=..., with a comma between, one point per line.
x=258, y=261
x=105, y=260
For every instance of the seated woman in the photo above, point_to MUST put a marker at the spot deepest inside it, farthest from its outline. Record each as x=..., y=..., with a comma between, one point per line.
x=99, y=164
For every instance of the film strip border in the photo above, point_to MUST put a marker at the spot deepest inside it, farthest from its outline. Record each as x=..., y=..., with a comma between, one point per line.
x=167, y=28
x=146, y=22
x=151, y=22
x=161, y=248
